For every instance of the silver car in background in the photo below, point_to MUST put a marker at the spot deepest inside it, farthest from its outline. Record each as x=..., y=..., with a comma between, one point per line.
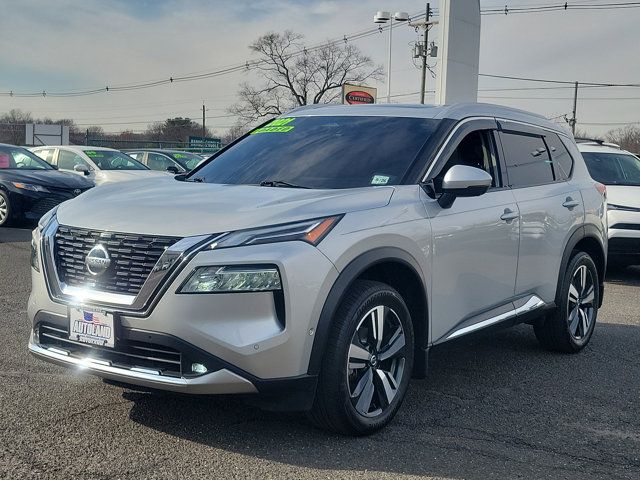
x=99, y=164
x=313, y=263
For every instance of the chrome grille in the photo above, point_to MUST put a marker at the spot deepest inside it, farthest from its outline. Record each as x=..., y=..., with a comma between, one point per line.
x=132, y=258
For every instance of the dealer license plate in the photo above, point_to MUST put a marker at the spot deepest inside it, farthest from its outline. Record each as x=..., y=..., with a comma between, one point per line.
x=95, y=327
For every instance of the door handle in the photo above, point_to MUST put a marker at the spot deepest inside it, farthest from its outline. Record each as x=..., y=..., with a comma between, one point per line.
x=570, y=203
x=509, y=215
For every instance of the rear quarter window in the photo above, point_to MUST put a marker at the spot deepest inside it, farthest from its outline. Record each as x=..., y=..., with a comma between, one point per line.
x=562, y=160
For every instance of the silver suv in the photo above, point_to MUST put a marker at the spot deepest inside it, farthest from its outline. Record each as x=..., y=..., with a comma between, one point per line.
x=316, y=260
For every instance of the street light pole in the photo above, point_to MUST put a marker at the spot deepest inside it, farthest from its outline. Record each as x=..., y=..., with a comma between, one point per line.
x=204, y=130
x=384, y=17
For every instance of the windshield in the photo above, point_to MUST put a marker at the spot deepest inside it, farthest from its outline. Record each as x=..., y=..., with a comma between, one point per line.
x=613, y=168
x=112, y=160
x=21, y=159
x=186, y=159
x=323, y=152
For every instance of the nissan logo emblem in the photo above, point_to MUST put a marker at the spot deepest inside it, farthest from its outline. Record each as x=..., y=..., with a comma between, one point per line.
x=97, y=261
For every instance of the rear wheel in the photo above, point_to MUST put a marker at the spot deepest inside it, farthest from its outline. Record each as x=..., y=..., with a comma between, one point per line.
x=367, y=363
x=5, y=209
x=570, y=327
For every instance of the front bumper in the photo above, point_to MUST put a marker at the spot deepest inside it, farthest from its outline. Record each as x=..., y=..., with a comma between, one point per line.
x=624, y=236
x=254, y=342
x=33, y=205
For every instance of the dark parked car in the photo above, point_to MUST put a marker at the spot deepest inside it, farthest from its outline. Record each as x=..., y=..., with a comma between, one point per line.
x=175, y=161
x=30, y=187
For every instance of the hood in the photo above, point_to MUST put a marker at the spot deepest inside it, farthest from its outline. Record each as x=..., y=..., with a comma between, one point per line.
x=47, y=178
x=627, y=196
x=105, y=176
x=174, y=208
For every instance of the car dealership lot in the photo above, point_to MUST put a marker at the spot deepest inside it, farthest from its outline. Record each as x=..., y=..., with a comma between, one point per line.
x=493, y=406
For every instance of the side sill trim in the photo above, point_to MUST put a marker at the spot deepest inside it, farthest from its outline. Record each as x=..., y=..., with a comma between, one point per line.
x=532, y=304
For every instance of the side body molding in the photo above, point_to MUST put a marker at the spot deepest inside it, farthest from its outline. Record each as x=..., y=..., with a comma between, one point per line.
x=350, y=273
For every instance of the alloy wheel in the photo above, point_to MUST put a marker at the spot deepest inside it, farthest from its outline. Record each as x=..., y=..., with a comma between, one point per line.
x=376, y=361
x=4, y=210
x=580, y=308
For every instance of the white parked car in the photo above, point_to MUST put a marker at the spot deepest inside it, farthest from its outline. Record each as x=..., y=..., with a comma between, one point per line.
x=102, y=165
x=619, y=170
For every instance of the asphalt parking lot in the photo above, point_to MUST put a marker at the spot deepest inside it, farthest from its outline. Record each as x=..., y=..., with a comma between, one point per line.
x=495, y=406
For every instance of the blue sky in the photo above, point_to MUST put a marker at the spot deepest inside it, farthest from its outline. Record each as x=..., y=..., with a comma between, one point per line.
x=72, y=44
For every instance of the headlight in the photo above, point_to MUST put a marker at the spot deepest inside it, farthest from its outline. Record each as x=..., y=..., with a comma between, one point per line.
x=35, y=261
x=30, y=186
x=310, y=231
x=611, y=206
x=46, y=219
x=232, y=279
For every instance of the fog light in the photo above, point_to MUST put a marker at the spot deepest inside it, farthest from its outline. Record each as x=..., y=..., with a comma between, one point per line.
x=198, y=368
x=232, y=279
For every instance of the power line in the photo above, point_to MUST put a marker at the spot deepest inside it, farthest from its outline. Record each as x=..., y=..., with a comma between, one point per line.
x=346, y=38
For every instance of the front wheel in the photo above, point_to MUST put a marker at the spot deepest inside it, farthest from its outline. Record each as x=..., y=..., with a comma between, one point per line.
x=5, y=209
x=570, y=327
x=368, y=361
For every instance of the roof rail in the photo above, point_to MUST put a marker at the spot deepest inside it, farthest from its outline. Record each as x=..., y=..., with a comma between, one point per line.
x=599, y=141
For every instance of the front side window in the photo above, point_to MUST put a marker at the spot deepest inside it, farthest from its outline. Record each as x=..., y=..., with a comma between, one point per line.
x=613, y=168
x=68, y=160
x=20, y=159
x=323, y=152
x=112, y=160
x=475, y=150
x=155, y=161
x=527, y=159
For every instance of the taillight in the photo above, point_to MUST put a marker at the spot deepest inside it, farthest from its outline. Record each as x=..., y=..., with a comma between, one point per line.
x=602, y=189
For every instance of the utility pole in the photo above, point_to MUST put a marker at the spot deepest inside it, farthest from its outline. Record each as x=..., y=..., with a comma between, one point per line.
x=203, y=127
x=573, y=120
x=423, y=83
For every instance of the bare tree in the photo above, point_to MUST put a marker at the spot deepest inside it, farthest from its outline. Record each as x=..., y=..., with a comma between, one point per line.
x=293, y=75
x=12, y=126
x=627, y=137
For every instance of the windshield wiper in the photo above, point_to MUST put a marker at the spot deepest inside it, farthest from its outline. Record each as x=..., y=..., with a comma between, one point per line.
x=279, y=183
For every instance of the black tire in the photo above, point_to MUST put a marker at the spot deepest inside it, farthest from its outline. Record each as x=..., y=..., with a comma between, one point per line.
x=6, y=214
x=570, y=327
x=333, y=407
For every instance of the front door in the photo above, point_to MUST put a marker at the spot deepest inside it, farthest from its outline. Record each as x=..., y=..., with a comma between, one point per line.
x=474, y=246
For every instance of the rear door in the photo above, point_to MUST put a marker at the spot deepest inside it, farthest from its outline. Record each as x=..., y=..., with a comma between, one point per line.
x=551, y=209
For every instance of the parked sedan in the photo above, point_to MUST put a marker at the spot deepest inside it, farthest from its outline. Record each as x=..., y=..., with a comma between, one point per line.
x=99, y=164
x=174, y=161
x=30, y=187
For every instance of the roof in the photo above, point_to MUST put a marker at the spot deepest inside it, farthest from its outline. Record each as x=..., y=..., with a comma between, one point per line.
x=76, y=148
x=599, y=147
x=457, y=111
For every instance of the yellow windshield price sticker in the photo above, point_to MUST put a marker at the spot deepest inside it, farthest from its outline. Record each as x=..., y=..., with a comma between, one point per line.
x=279, y=125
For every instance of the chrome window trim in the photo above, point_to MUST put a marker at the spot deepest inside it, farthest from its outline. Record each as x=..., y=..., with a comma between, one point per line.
x=168, y=266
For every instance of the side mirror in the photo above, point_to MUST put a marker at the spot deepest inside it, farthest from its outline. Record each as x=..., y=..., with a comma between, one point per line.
x=463, y=181
x=81, y=168
x=173, y=169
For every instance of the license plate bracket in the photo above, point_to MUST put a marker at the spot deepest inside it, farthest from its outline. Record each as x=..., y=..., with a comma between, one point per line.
x=92, y=326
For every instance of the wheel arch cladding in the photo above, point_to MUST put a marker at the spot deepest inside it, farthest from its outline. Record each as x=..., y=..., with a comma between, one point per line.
x=391, y=266
x=586, y=239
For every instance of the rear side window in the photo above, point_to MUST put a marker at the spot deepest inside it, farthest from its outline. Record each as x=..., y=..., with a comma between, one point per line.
x=562, y=161
x=46, y=155
x=527, y=160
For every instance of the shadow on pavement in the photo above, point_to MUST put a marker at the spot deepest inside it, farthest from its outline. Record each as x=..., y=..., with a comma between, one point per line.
x=493, y=407
x=624, y=275
x=13, y=235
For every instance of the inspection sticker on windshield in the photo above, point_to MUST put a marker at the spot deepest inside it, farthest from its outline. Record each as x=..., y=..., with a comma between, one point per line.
x=379, y=180
x=93, y=154
x=91, y=326
x=279, y=125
